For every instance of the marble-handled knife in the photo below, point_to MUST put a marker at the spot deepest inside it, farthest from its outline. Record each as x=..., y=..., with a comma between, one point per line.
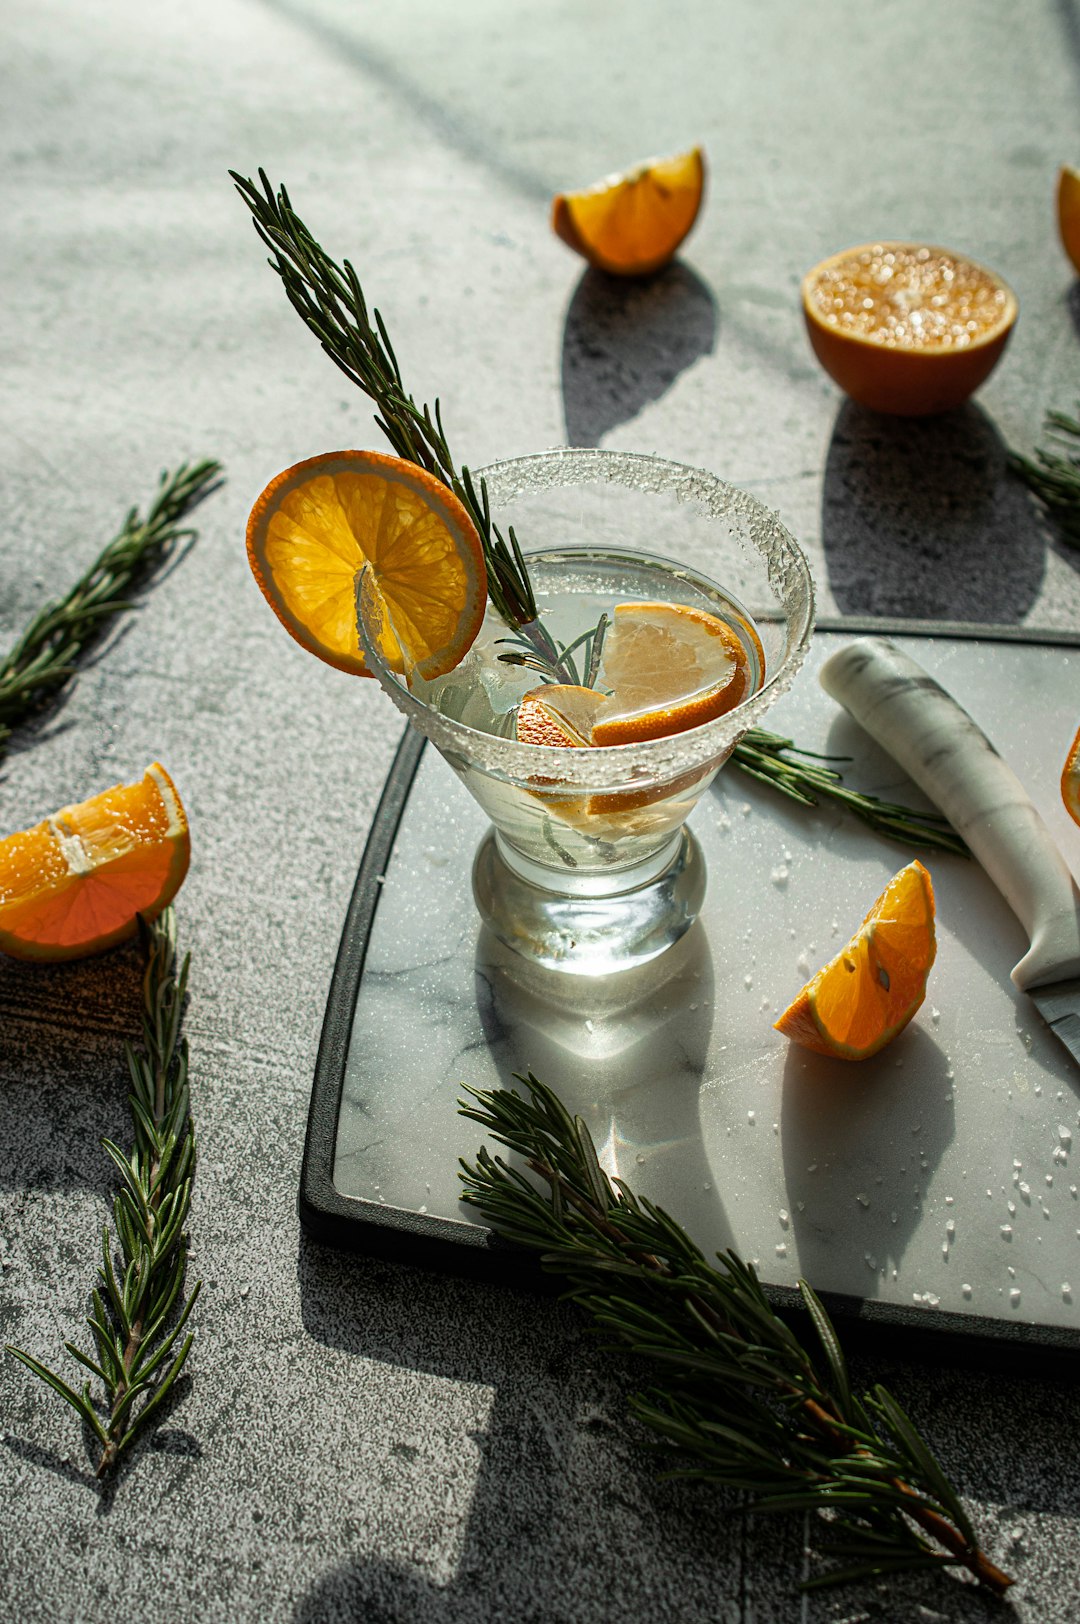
x=951, y=759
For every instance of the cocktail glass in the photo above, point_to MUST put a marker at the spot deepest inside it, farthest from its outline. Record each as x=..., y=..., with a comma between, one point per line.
x=588, y=866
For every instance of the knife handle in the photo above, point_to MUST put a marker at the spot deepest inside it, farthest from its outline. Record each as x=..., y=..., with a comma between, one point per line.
x=951, y=759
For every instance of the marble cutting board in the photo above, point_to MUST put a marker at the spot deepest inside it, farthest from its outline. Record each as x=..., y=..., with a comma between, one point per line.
x=939, y=1178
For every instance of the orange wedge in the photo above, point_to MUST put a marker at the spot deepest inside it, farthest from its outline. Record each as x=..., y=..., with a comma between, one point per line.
x=905, y=328
x=317, y=525
x=1068, y=210
x=74, y=884
x=1070, y=780
x=869, y=992
x=632, y=224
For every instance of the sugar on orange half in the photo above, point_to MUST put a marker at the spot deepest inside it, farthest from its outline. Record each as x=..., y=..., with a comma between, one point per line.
x=869, y=992
x=319, y=524
x=631, y=224
x=75, y=883
x=1068, y=212
x=906, y=328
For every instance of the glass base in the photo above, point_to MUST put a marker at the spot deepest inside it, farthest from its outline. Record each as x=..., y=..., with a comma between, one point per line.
x=592, y=930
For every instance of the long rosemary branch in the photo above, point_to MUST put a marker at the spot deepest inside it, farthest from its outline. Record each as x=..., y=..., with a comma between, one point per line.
x=1054, y=478
x=743, y=1400
x=44, y=658
x=134, y=1321
x=330, y=301
x=768, y=757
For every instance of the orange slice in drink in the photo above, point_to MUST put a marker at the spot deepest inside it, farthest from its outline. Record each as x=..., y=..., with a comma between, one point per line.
x=74, y=884
x=668, y=667
x=559, y=714
x=906, y=328
x=1068, y=210
x=631, y=224
x=869, y=992
x=1070, y=780
x=317, y=525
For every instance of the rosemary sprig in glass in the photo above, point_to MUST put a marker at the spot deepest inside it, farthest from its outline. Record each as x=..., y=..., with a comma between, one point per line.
x=743, y=1400
x=330, y=301
x=1053, y=477
x=44, y=658
x=134, y=1321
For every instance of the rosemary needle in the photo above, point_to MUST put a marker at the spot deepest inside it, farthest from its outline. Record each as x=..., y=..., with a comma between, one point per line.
x=44, y=659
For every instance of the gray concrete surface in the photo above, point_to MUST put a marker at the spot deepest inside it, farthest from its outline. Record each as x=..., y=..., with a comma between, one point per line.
x=360, y=1441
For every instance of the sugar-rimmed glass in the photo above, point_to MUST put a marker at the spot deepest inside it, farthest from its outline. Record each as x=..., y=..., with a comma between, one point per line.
x=588, y=866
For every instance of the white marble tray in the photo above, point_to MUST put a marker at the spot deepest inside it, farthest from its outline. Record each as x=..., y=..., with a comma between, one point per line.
x=940, y=1176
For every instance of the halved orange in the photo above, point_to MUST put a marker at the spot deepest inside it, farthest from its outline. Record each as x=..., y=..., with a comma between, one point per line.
x=318, y=524
x=906, y=328
x=1070, y=780
x=631, y=224
x=869, y=992
x=74, y=884
x=1068, y=210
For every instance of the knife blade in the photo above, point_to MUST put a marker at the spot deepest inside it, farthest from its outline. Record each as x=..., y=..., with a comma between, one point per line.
x=947, y=754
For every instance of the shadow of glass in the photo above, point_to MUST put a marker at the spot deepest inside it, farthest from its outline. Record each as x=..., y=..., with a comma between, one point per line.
x=922, y=519
x=62, y=1034
x=1072, y=299
x=626, y=1053
x=625, y=342
x=859, y=1142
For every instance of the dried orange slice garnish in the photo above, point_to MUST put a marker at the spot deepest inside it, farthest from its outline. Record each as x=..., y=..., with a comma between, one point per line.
x=906, y=328
x=1070, y=780
x=1068, y=211
x=631, y=224
x=317, y=525
x=74, y=884
x=869, y=992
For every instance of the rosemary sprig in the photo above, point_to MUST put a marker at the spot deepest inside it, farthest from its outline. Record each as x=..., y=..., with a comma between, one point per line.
x=1055, y=479
x=737, y=1394
x=767, y=757
x=134, y=1321
x=43, y=659
x=330, y=301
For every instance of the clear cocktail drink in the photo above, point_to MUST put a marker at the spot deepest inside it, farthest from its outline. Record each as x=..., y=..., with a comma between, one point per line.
x=588, y=865
x=627, y=822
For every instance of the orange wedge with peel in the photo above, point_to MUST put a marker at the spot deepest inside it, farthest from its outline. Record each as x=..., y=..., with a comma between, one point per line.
x=906, y=328
x=1068, y=212
x=870, y=991
x=318, y=524
x=631, y=224
x=74, y=884
x=1070, y=780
